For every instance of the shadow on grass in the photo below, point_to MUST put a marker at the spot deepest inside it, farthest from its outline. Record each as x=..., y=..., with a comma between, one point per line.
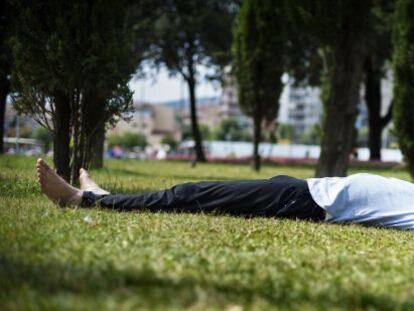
x=48, y=280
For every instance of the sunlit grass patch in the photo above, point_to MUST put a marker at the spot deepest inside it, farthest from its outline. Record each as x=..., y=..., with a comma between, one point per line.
x=74, y=258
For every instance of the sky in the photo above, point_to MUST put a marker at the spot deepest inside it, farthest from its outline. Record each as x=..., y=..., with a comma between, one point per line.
x=161, y=88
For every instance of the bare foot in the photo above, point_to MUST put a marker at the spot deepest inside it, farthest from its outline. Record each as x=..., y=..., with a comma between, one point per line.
x=55, y=187
x=87, y=184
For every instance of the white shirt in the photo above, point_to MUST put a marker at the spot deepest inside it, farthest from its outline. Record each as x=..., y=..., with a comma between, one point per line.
x=365, y=198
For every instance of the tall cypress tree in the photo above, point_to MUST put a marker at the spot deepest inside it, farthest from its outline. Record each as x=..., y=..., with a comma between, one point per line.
x=258, y=51
x=403, y=61
x=73, y=62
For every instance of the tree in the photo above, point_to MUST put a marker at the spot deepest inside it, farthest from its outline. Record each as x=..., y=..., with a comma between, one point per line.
x=72, y=58
x=128, y=140
x=6, y=18
x=258, y=51
x=43, y=134
x=170, y=141
x=403, y=60
x=285, y=131
x=141, y=17
x=339, y=27
x=189, y=34
x=375, y=64
x=204, y=132
x=230, y=129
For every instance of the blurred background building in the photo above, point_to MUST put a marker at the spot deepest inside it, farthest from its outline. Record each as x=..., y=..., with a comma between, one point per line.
x=154, y=121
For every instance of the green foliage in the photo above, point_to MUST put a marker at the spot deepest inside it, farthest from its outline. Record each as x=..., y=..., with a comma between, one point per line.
x=170, y=141
x=403, y=38
x=186, y=132
x=6, y=61
x=313, y=136
x=324, y=19
x=6, y=19
x=204, y=131
x=230, y=129
x=190, y=33
x=95, y=259
x=391, y=138
x=362, y=137
x=303, y=59
x=45, y=136
x=258, y=51
x=76, y=57
x=340, y=28
x=259, y=44
x=380, y=30
x=285, y=131
x=71, y=47
x=127, y=140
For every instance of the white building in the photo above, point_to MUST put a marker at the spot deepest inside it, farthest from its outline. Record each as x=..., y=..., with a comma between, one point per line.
x=300, y=107
x=228, y=103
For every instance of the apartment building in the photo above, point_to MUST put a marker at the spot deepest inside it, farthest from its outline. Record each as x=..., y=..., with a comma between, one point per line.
x=300, y=107
x=153, y=121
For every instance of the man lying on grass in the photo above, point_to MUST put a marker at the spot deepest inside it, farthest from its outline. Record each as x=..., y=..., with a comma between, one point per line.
x=361, y=198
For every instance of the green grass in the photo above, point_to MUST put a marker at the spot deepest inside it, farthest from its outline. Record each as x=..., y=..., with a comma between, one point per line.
x=51, y=258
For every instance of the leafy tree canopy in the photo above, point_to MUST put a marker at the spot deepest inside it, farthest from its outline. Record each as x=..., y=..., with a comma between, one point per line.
x=403, y=62
x=72, y=48
x=230, y=129
x=127, y=140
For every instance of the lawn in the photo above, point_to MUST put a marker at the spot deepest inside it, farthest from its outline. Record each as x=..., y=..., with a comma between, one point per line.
x=54, y=258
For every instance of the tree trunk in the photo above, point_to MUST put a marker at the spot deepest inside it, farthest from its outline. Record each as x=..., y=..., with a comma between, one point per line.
x=80, y=150
x=373, y=100
x=341, y=110
x=348, y=50
x=4, y=91
x=257, y=133
x=79, y=142
x=97, y=147
x=61, y=137
x=198, y=143
x=94, y=123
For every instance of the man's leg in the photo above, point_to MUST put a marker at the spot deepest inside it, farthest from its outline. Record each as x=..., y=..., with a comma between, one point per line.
x=281, y=196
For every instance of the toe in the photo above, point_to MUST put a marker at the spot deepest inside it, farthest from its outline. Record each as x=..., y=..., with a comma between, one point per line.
x=41, y=177
x=41, y=169
x=46, y=166
x=42, y=184
x=43, y=164
x=83, y=171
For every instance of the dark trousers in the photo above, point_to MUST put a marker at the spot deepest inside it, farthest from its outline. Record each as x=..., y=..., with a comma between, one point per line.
x=280, y=196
